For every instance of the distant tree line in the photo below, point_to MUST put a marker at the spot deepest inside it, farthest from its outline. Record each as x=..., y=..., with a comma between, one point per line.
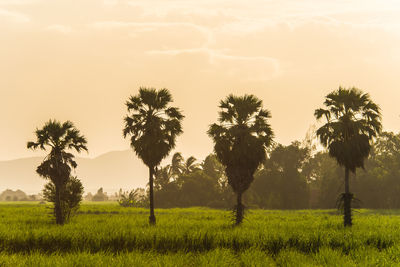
x=292, y=177
x=18, y=195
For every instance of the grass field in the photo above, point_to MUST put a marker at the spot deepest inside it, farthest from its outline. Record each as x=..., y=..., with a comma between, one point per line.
x=108, y=235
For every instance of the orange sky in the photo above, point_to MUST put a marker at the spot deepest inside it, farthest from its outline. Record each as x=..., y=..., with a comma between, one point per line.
x=80, y=60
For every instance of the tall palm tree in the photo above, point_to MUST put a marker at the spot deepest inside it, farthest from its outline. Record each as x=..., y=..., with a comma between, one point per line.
x=58, y=138
x=353, y=120
x=240, y=141
x=153, y=127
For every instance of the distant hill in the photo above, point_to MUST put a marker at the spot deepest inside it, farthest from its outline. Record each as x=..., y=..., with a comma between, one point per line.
x=113, y=170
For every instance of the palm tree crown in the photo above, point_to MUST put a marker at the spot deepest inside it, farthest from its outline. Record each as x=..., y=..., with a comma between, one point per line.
x=176, y=166
x=152, y=125
x=58, y=137
x=241, y=137
x=191, y=165
x=353, y=120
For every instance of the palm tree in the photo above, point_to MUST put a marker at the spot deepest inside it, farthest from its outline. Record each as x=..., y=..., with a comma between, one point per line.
x=176, y=166
x=58, y=138
x=162, y=177
x=353, y=120
x=190, y=165
x=153, y=127
x=240, y=142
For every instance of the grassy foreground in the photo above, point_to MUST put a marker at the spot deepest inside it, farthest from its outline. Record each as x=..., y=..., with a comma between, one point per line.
x=109, y=235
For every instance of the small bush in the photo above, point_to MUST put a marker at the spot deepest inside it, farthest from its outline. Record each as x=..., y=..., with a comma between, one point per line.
x=127, y=199
x=134, y=198
x=71, y=196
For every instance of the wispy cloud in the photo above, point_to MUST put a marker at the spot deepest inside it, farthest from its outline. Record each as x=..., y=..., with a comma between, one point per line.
x=59, y=28
x=261, y=14
x=249, y=68
x=12, y=16
x=17, y=2
x=138, y=27
x=110, y=25
x=110, y=2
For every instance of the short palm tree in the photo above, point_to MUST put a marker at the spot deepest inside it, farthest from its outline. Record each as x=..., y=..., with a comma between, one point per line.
x=59, y=138
x=191, y=165
x=153, y=127
x=353, y=120
x=176, y=166
x=162, y=177
x=240, y=141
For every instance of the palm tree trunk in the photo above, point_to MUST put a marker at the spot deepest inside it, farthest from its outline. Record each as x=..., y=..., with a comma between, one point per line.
x=152, y=218
x=57, y=206
x=239, y=209
x=347, y=199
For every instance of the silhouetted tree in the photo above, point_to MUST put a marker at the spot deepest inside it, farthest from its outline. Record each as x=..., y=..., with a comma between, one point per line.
x=353, y=120
x=379, y=187
x=198, y=189
x=324, y=185
x=281, y=183
x=176, y=167
x=100, y=195
x=162, y=177
x=240, y=142
x=213, y=167
x=153, y=127
x=57, y=165
x=191, y=165
x=216, y=170
x=89, y=196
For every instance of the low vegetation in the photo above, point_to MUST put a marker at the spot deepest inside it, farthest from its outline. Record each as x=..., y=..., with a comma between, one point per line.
x=104, y=234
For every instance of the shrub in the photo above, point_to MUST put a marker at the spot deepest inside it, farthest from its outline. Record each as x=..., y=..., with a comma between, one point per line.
x=71, y=196
x=135, y=198
x=128, y=199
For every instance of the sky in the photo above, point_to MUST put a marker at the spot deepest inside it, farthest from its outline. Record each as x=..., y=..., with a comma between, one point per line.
x=81, y=60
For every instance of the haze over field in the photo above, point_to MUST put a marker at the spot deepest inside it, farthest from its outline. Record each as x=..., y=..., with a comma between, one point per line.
x=112, y=171
x=81, y=60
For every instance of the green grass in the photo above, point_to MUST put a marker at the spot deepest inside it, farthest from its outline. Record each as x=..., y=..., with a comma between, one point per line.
x=109, y=235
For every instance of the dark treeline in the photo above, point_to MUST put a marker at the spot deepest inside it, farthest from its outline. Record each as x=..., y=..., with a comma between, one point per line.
x=292, y=177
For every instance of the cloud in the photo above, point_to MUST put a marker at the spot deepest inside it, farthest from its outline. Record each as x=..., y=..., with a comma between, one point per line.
x=12, y=16
x=240, y=17
x=147, y=26
x=17, y=2
x=141, y=27
x=59, y=28
x=248, y=69
x=244, y=68
x=110, y=2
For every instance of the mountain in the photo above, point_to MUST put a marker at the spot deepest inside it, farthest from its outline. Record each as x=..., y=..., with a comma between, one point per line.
x=112, y=171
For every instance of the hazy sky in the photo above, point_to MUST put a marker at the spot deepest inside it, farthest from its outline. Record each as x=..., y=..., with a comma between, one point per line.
x=81, y=60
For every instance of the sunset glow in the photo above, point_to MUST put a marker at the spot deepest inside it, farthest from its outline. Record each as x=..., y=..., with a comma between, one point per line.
x=92, y=55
